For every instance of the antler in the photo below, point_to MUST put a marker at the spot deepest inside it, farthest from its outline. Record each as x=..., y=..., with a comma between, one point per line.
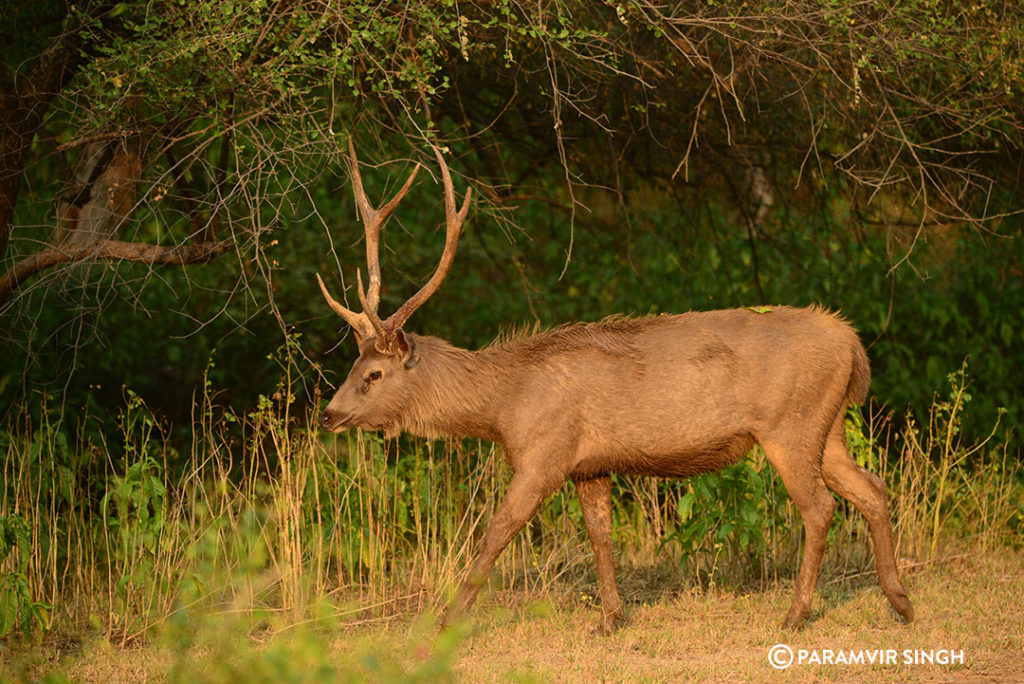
x=373, y=222
x=368, y=323
x=453, y=229
x=359, y=321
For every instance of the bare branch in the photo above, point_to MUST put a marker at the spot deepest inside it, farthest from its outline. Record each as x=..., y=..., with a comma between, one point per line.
x=106, y=250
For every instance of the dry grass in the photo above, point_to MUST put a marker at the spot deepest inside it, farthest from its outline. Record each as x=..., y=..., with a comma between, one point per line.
x=970, y=603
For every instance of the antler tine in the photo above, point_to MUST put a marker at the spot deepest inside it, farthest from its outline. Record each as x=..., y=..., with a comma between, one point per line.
x=449, y=195
x=453, y=221
x=373, y=221
x=359, y=321
x=370, y=312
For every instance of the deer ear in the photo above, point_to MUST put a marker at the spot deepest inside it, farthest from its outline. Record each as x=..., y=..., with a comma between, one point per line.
x=407, y=348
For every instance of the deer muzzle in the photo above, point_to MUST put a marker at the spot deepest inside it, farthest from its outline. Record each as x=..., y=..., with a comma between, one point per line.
x=329, y=420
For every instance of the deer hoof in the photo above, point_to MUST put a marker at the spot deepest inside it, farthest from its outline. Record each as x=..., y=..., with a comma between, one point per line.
x=904, y=608
x=796, y=617
x=608, y=624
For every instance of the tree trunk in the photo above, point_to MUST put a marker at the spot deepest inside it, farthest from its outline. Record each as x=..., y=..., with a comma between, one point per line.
x=24, y=101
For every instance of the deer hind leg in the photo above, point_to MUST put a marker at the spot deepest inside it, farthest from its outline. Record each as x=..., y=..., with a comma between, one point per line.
x=525, y=494
x=596, y=501
x=866, y=492
x=800, y=469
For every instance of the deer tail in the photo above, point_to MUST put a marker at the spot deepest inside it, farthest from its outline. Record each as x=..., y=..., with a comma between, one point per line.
x=860, y=375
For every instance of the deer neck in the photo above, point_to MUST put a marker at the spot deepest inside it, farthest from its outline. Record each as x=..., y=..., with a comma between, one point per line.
x=457, y=392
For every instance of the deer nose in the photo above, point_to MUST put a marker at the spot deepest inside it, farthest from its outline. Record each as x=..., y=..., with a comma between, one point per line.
x=326, y=420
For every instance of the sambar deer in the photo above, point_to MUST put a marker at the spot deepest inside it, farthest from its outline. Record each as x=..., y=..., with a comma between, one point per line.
x=668, y=395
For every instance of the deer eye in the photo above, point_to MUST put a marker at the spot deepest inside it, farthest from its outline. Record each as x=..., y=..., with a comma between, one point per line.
x=374, y=376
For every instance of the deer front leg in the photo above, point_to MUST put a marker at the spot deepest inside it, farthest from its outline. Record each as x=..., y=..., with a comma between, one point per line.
x=524, y=496
x=596, y=502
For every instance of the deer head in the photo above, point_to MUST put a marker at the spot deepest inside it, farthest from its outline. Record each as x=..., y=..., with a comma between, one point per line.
x=374, y=392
